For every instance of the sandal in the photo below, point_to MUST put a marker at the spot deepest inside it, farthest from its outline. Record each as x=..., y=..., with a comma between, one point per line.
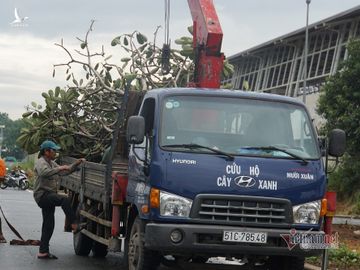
x=47, y=257
x=3, y=240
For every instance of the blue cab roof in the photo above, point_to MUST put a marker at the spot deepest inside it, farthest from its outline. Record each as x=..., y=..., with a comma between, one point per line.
x=161, y=92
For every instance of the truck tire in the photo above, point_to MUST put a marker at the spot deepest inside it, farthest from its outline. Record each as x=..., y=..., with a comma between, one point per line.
x=137, y=257
x=82, y=243
x=284, y=263
x=99, y=250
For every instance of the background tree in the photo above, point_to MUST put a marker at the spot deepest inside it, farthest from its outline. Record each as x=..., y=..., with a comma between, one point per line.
x=339, y=104
x=11, y=132
x=82, y=116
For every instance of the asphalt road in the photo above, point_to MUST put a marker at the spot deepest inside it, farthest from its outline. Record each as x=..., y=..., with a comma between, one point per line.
x=23, y=213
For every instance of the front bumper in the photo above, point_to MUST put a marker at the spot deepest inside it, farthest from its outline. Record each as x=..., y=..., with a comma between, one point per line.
x=207, y=240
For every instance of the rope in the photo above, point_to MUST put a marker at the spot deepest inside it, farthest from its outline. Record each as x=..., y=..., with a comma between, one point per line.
x=21, y=242
x=10, y=226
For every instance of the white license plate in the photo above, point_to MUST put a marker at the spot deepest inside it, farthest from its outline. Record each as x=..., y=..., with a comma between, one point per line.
x=245, y=237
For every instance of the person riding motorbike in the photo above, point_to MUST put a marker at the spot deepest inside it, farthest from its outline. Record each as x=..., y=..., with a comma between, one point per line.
x=18, y=175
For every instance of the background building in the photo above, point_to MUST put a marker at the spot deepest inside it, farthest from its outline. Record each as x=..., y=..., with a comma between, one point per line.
x=277, y=66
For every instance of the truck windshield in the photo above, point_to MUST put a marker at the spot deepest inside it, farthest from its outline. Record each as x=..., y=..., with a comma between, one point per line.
x=237, y=127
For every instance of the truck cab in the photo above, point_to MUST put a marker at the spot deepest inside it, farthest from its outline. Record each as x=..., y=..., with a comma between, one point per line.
x=225, y=173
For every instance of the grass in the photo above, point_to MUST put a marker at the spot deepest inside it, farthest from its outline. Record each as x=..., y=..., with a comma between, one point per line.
x=345, y=256
x=341, y=258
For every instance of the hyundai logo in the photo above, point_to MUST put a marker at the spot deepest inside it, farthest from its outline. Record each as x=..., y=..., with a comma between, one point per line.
x=245, y=181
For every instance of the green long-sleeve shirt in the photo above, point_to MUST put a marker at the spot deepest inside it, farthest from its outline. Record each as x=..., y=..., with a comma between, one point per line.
x=47, y=176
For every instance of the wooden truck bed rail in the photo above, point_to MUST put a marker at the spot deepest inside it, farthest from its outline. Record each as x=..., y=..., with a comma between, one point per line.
x=91, y=179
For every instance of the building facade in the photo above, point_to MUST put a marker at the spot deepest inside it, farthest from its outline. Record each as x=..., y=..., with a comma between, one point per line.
x=277, y=66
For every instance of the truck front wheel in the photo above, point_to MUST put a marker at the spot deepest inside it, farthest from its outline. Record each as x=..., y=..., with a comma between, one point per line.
x=139, y=257
x=284, y=263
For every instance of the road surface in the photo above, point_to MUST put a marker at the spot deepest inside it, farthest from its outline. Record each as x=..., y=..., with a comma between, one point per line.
x=23, y=213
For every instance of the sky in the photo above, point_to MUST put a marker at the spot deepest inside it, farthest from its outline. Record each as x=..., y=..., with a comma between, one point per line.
x=28, y=53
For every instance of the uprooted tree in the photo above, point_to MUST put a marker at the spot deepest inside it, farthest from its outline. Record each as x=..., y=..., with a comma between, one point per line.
x=82, y=116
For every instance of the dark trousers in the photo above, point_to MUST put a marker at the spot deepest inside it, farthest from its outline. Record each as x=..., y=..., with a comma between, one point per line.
x=47, y=203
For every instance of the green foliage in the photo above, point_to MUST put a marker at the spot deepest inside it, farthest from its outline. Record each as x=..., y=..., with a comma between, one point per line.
x=228, y=70
x=82, y=116
x=356, y=204
x=340, y=99
x=339, y=105
x=144, y=60
x=79, y=119
x=340, y=258
x=345, y=180
x=11, y=132
x=344, y=256
x=312, y=260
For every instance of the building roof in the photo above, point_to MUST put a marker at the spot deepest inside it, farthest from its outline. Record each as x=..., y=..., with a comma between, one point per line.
x=347, y=14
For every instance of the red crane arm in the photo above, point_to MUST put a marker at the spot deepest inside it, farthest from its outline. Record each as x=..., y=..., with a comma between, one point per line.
x=207, y=38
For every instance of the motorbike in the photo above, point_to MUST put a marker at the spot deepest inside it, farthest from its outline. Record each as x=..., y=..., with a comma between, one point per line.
x=16, y=179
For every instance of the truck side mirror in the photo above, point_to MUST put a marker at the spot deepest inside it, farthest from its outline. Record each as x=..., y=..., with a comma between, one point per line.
x=135, y=131
x=337, y=143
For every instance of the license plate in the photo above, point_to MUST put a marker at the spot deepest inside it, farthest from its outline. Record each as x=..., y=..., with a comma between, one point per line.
x=244, y=237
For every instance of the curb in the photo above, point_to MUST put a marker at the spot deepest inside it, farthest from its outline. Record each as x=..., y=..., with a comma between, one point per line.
x=346, y=220
x=347, y=216
x=311, y=267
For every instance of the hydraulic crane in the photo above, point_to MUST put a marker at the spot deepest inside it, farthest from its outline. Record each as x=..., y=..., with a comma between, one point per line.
x=207, y=39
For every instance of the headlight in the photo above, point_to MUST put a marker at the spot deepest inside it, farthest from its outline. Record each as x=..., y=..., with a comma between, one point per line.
x=307, y=213
x=174, y=205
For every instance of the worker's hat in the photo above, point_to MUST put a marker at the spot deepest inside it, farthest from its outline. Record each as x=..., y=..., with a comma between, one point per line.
x=49, y=145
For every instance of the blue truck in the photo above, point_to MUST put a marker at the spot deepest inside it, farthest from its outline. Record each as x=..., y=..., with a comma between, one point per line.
x=206, y=173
